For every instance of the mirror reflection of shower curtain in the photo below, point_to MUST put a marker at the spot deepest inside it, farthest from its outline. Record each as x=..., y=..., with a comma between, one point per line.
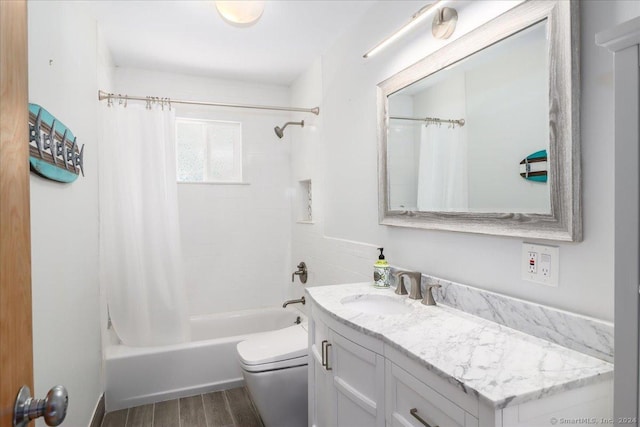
x=140, y=257
x=442, y=170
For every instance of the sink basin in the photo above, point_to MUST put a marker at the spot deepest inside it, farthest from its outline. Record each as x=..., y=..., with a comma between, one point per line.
x=375, y=304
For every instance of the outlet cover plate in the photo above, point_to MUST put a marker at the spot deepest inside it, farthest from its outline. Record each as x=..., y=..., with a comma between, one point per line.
x=547, y=263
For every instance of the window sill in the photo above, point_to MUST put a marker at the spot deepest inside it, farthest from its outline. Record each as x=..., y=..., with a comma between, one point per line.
x=213, y=183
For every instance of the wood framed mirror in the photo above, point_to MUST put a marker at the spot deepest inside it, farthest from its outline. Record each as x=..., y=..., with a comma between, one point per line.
x=482, y=136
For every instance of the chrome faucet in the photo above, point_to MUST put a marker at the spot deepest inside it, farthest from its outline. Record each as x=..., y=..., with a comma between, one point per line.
x=415, y=278
x=293, y=301
x=302, y=272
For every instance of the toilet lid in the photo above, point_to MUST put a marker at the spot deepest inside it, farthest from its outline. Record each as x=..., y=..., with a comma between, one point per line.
x=278, y=349
x=282, y=364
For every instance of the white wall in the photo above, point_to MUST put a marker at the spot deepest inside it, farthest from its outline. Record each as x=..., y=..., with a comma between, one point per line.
x=348, y=177
x=64, y=217
x=236, y=239
x=329, y=260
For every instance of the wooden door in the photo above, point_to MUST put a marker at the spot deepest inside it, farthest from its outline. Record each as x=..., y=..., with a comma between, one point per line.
x=16, y=347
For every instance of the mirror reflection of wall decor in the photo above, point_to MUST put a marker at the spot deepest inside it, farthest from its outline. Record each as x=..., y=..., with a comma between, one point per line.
x=482, y=136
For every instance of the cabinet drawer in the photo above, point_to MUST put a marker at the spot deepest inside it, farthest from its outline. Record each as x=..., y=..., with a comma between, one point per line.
x=453, y=392
x=406, y=393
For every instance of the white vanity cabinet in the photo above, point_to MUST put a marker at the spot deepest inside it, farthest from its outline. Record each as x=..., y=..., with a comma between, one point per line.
x=346, y=380
x=351, y=383
x=358, y=380
x=441, y=403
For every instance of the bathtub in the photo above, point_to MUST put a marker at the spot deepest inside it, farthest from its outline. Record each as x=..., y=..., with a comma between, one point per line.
x=140, y=375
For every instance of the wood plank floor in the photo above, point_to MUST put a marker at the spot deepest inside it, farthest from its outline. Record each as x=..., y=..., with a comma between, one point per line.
x=228, y=408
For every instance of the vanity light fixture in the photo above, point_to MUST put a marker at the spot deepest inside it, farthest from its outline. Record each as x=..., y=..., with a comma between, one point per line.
x=417, y=17
x=241, y=13
x=444, y=23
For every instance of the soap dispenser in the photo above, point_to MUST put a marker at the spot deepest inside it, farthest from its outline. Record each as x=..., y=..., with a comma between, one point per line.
x=381, y=271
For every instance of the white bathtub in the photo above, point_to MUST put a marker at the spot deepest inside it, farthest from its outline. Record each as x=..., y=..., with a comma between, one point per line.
x=139, y=375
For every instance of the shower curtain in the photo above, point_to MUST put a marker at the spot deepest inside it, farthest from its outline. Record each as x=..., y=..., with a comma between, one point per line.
x=140, y=256
x=442, y=169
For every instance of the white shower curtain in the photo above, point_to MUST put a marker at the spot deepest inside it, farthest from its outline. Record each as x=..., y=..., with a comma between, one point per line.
x=442, y=169
x=140, y=257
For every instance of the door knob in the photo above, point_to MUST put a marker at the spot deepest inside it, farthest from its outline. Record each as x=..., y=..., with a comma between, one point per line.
x=53, y=407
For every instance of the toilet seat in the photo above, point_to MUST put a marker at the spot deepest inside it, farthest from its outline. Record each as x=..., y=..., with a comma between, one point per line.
x=284, y=348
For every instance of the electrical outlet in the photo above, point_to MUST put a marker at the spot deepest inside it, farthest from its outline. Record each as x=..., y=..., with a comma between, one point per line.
x=545, y=265
x=533, y=262
x=540, y=263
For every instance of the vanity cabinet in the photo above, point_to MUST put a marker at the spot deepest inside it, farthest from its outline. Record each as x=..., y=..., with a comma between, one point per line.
x=351, y=384
x=357, y=380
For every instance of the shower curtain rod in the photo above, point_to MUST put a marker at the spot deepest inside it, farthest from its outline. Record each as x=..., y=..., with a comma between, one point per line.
x=459, y=122
x=102, y=95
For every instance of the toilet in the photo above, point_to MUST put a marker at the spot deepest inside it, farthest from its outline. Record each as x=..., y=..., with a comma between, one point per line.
x=274, y=366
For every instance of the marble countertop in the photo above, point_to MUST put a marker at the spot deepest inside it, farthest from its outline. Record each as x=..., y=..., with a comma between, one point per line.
x=500, y=365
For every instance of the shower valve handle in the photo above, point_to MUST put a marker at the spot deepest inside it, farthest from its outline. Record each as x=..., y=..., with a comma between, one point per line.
x=302, y=272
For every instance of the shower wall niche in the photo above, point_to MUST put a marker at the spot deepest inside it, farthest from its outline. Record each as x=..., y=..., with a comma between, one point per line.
x=304, y=202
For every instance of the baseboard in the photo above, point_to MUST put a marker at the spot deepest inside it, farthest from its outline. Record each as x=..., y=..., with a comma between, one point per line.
x=98, y=413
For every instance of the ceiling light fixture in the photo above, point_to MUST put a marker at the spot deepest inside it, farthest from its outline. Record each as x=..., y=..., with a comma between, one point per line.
x=241, y=13
x=417, y=17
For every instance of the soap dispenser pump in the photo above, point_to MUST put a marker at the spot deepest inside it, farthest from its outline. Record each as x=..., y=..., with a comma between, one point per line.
x=381, y=271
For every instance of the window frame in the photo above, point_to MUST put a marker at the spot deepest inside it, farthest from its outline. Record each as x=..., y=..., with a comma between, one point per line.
x=238, y=161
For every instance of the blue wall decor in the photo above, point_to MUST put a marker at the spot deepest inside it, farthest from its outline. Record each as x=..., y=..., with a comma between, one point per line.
x=53, y=149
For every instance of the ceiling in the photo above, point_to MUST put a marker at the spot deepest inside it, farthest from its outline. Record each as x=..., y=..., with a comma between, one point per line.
x=191, y=37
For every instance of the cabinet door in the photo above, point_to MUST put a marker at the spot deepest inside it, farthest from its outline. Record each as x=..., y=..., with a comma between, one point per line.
x=325, y=396
x=358, y=379
x=322, y=395
x=411, y=403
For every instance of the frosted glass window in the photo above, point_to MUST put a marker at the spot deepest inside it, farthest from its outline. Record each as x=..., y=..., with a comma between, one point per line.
x=208, y=151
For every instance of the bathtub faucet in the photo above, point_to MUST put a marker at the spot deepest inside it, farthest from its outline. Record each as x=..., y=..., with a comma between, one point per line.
x=293, y=301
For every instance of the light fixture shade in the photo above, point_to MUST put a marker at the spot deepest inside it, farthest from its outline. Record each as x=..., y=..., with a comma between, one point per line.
x=241, y=12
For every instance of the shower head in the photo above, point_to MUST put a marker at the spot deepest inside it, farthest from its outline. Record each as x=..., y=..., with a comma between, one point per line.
x=280, y=130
